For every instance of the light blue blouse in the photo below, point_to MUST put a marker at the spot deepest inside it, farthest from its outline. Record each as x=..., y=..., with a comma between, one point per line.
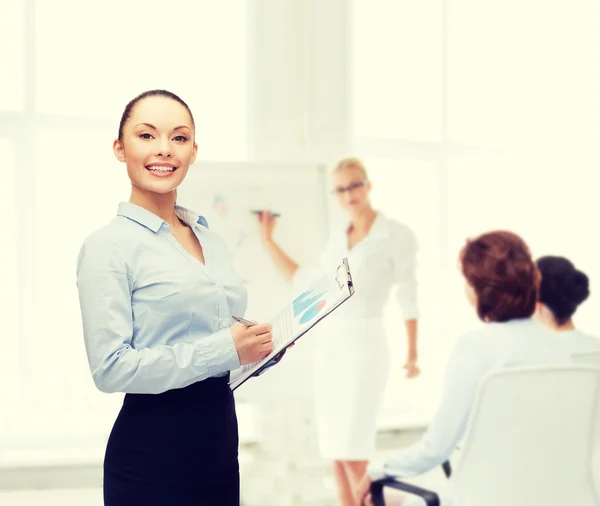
x=154, y=317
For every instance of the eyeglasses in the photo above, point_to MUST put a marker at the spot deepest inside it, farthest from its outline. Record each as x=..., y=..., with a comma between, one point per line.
x=340, y=190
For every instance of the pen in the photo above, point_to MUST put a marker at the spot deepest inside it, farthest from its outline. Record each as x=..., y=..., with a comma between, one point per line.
x=243, y=321
x=257, y=211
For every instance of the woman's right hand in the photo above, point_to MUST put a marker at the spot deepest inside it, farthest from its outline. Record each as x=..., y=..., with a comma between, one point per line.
x=266, y=223
x=252, y=343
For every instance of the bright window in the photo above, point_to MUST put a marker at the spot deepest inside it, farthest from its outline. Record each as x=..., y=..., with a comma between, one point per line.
x=396, y=69
x=92, y=69
x=12, y=48
x=523, y=72
x=9, y=294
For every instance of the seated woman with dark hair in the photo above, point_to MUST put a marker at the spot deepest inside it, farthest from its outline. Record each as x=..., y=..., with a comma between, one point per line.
x=563, y=288
x=502, y=283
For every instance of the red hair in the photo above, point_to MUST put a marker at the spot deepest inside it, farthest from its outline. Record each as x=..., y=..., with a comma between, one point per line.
x=499, y=267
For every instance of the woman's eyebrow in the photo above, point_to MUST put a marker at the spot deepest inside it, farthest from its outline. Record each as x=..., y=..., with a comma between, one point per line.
x=154, y=128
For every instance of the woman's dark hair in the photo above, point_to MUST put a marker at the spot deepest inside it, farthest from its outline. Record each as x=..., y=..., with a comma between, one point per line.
x=563, y=287
x=499, y=267
x=151, y=93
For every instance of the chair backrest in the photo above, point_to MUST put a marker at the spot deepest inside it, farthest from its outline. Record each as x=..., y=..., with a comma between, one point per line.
x=529, y=439
x=593, y=358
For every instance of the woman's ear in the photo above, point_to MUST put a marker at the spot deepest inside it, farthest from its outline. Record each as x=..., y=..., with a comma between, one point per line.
x=195, y=153
x=119, y=150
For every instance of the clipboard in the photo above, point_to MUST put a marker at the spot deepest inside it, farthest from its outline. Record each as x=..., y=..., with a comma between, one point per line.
x=299, y=316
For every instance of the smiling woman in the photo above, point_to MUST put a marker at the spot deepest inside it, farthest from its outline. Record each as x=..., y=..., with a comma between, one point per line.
x=157, y=291
x=157, y=154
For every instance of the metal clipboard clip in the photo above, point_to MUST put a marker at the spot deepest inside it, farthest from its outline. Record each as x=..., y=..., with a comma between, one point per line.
x=343, y=276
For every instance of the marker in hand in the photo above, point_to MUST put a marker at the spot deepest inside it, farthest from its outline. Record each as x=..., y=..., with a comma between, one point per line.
x=259, y=212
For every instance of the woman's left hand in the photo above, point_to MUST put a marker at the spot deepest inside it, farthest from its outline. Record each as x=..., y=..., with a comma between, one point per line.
x=274, y=361
x=412, y=369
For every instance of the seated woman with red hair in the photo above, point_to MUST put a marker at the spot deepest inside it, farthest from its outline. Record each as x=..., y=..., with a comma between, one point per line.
x=502, y=283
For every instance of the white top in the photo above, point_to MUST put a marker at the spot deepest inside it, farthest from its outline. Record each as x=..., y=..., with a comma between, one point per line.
x=583, y=343
x=386, y=257
x=495, y=346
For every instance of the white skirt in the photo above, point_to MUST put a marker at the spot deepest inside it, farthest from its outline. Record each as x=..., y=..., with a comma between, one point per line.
x=351, y=373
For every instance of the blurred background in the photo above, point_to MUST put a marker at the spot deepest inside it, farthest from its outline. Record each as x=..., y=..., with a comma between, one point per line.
x=469, y=115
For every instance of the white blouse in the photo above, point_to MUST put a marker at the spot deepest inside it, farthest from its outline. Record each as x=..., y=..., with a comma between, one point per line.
x=582, y=342
x=385, y=258
x=495, y=346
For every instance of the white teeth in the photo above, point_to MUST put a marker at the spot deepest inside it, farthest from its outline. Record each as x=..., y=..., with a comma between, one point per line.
x=161, y=169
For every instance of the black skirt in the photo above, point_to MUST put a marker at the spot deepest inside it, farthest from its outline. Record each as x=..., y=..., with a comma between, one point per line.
x=178, y=448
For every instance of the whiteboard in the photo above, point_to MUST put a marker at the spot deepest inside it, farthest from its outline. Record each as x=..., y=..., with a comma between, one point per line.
x=225, y=193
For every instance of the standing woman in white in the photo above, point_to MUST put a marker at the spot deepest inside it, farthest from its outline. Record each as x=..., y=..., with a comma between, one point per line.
x=352, y=358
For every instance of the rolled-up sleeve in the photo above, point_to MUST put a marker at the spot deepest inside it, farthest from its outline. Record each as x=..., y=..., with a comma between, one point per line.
x=404, y=251
x=105, y=292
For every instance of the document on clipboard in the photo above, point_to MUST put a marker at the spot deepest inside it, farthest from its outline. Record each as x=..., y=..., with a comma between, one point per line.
x=301, y=315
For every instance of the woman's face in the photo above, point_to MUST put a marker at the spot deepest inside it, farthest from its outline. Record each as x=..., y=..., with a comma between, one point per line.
x=351, y=189
x=158, y=144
